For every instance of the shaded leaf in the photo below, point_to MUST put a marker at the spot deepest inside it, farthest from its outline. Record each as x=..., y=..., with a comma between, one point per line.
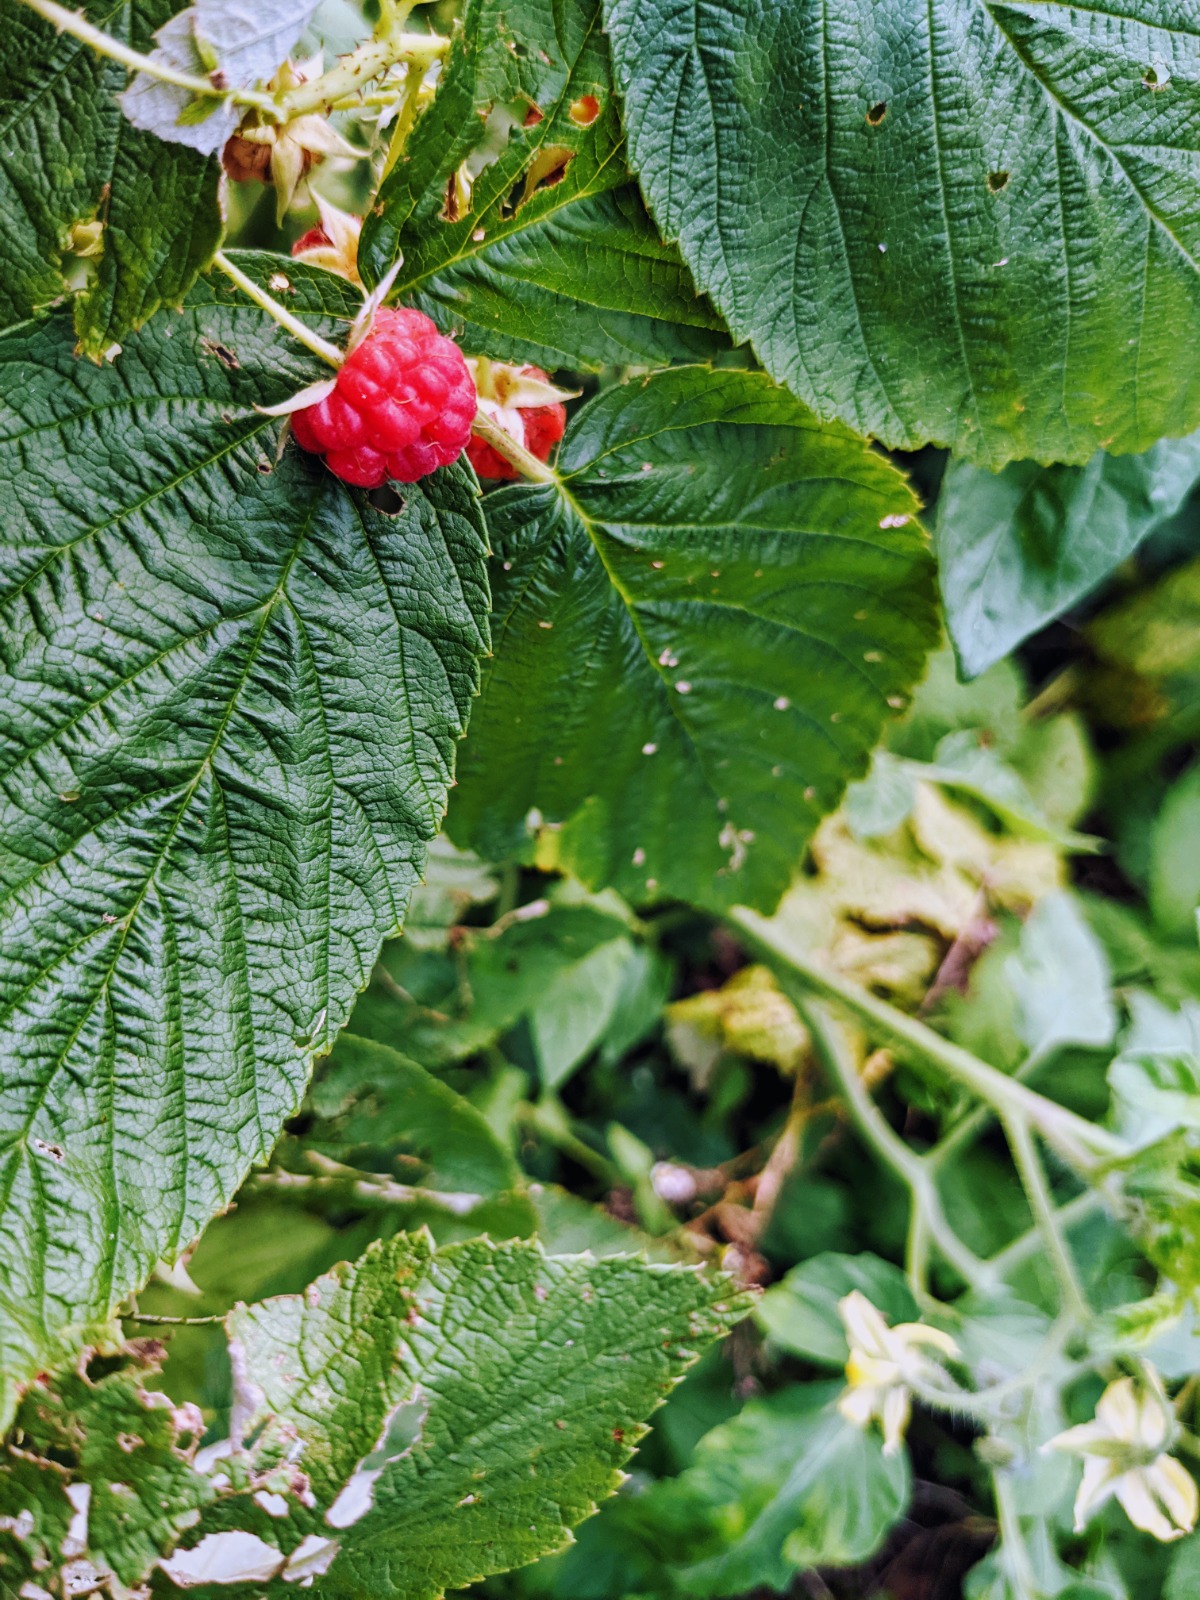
x=440, y=1009
x=974, y=224
x=1061, y=979
x=711, y=617
x=1018, y=548
x=368, y=1095
x=1175, y=858
x=786, y=1485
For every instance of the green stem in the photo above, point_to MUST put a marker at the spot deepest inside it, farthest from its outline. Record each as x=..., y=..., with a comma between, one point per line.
x=909, y=1168
x=77, y=25
x=548, y=1118
x=172, y=1322
x=505, y=445
x=1037, y=1191
x=352, y=71
x=1014, y=1551
x=1080, y=1143
x=966, y=1131
x=299, y=330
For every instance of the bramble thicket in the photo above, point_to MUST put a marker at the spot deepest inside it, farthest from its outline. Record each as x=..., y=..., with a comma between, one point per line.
x=599, y=799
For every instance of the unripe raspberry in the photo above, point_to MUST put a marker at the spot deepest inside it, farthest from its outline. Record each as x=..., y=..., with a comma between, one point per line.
x=543, y=425
x=402, y=405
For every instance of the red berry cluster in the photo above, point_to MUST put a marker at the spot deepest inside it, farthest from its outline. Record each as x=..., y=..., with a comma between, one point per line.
x=544, y=427
x=403, y=405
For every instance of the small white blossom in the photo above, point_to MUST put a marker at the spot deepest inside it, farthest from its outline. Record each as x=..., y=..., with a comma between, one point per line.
x=885, y=1363
x=1124, y=1452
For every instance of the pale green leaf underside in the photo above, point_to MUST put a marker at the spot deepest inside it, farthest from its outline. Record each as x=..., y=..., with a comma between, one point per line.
x=67, y=155
x=508, y=1387
x=1017, y=548
x=231, y=696
x=942, y=220
x=700, y=636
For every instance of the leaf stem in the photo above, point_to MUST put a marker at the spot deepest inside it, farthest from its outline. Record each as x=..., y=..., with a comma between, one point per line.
x=1014, y=1550
x=505, y=445
x=171, y=1322
x=907, y=1166
x=299, y=330
x=1081, y=1143
x=77, y=25
x=1037, y=1191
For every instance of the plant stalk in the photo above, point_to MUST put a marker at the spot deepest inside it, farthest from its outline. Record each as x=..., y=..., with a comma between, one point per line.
x=299, y=330
x=505, y=445
x=352, y=71
x=932, y=1223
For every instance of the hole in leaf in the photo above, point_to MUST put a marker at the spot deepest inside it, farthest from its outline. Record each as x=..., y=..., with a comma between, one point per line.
x=548, y=167
x=387, y=500
x=533, y=116
x=1156, y=76
x=997, y=181
x=585, y=110
x=877, y=113
x=222, y=352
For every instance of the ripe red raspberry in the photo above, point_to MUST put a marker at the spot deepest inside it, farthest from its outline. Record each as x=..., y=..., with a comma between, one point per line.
x=312, y=240
x=403, y=405
x=544, y=427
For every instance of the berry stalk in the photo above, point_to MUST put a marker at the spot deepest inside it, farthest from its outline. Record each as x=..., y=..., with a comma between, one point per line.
x=526, y=463
x=298, y=330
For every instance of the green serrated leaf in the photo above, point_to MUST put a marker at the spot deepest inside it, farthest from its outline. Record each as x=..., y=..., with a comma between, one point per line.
x=127, y=1449
x=591, y=286
x=551, y=258
x=522, y=70
x=968, y=223
x=1016, y=549
x=703, y=630
x=231, y=696
x=455, y=1414
x=68, y=157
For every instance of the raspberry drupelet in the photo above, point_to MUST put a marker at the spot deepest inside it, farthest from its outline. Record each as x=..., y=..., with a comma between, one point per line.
x=402, y=406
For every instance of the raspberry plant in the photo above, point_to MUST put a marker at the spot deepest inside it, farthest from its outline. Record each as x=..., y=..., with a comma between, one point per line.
x=539, y=400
